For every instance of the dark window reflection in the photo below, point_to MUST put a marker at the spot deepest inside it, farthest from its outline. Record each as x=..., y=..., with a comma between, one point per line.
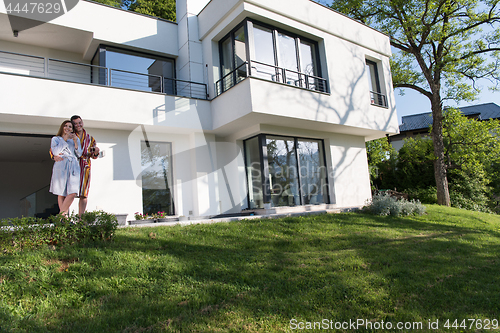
x=138, y=71
x=295, y=171
x=156, y=162
x=283, y=175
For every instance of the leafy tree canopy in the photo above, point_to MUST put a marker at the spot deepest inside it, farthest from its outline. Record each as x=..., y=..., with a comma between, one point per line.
x=439, y=39
x=468, y=142
x=160, y=8
x=379, y=151
x=441, y=44
x=472, y=155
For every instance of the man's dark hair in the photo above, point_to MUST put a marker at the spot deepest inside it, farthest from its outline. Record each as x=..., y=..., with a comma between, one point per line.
x=75, y=117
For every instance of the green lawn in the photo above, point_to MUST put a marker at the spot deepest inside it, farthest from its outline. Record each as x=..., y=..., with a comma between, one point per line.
x=264, y=276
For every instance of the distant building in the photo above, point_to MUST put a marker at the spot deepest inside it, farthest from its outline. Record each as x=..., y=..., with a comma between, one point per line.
x=419, y=124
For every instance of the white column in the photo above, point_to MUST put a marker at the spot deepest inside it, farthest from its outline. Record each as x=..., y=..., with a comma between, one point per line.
x=204, y=184
x=190, y=62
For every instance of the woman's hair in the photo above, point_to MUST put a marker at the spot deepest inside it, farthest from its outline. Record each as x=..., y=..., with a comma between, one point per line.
x=61, y=128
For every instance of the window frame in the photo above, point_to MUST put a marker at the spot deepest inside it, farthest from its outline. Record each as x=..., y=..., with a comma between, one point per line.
x=382, y=96
x=171, y=188
x=375, y=73
x=248, y=25
x=264, y=166
x=102, y=48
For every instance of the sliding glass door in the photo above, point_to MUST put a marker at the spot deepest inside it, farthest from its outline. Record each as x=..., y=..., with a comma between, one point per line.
x=157, y=189
x=283, y=175
x=285, y=171
x=264, y=64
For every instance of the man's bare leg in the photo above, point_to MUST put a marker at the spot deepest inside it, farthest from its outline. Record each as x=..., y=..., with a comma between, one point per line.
x=82, y=205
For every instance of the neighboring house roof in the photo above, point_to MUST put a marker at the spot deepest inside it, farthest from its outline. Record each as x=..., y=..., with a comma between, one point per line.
x=416, y=121
x=424, y=120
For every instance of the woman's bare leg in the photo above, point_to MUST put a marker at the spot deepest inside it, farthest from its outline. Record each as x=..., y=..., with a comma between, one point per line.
x=67, y=203
x=60, y=200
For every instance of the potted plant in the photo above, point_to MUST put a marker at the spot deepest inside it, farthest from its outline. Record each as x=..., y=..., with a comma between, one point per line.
x=144, y=218
x=162, y=217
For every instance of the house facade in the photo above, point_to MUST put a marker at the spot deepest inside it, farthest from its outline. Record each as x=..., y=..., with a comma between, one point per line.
x=240, y=105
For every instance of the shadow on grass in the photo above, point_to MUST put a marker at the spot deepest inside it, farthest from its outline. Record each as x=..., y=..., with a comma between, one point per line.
x=258, y=275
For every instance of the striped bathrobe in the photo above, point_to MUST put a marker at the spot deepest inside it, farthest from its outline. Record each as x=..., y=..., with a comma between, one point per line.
x=87, y=142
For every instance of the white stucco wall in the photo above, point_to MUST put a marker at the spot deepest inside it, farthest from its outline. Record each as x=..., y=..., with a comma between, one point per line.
x=116, y=185
x=123, y=108
x=344, y=45
x=346, y=162
x=350, y=178
x=206, y=136
x=92, y=23
x=41, y=51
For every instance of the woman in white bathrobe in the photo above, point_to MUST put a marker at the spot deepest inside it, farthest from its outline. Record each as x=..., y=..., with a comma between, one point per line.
x=65, y=182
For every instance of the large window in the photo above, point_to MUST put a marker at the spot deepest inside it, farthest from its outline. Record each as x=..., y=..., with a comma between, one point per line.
x=156, y=162
x=285, y=171
x=262, y=51
x=233, y=57
x=376, y=96
x=135, y=70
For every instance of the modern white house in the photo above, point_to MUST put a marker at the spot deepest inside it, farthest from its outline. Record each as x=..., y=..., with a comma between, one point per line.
x=240, y=106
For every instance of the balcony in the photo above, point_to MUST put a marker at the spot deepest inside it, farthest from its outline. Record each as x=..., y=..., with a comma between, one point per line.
x=378, y=99
x=97, y=75
x=270, y=73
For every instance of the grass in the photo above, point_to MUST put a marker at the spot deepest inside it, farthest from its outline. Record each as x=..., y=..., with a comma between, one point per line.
x=259, y=275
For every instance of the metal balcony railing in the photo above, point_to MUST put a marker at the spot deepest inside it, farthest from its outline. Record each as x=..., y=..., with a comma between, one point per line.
x=378, y=99
x=270, y=73
x=69, y=71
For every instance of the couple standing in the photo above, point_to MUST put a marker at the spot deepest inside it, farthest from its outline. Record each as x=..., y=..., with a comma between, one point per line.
x=71, y=149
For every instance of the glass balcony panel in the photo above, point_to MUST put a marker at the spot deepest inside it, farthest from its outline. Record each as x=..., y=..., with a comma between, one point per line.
x=22, y=64
x=94, y=74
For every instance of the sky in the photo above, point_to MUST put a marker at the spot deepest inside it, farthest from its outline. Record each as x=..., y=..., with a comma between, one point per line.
x=413, y=102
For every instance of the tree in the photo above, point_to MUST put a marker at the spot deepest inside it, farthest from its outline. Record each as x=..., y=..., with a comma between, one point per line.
x=472, y=155
x=382, y=158
x=415, y=164
x=160, y=8
x=441, y=45
x=469, y=142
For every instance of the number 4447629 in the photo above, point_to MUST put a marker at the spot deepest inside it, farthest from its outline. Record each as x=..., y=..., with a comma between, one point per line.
x=472, y=324
x=34, y=7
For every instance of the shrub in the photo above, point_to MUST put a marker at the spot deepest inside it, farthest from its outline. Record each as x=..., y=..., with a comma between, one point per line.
x=415, y=165
x=424, y=195
x=27, y=232
x=384, y=204
x=459, y=200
